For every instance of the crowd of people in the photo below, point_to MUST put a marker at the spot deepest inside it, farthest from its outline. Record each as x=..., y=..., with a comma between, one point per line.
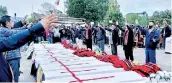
x=13, y=36
x=130, y=36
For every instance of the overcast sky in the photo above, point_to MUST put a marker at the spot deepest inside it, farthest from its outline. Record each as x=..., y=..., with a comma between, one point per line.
x=23, y=7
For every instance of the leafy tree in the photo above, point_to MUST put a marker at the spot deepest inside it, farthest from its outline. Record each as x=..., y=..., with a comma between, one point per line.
x=91, y=10
x=76, y=8
x=159, y=16
x=102, y=8
x=48, y=8
x=31, y=19
x=131, y=17
x=114, y=13
x=3, y=10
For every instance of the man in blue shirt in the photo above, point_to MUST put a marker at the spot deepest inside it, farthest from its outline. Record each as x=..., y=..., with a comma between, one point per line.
x=13, y=56
x=19, y=39
x=151, y=41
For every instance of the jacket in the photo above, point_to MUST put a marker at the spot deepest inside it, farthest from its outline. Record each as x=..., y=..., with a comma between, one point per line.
x=115, y=35
x=149, y=43
x=89, y=33
x=18, y=24
x=14, y=42
x=5, y=32
x=167, y=31
x=100, y=34
x=130, y=37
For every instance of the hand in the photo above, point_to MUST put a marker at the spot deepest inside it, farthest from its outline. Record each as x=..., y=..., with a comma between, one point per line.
x=24, y=20
x=25, y=17
x=137, y=22
x=154, y=40
x=117, y=23
x=49, y=21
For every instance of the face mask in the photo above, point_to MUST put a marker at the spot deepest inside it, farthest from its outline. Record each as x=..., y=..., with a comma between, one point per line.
x=150, y=27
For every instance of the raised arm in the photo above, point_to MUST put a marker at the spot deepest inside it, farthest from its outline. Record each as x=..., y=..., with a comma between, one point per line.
x=120, y=28
x=108, y=29
x=19, y=39
x=142, y=29
x=8, y=32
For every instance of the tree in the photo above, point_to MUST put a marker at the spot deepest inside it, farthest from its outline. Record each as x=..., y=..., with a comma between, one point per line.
x=131, y=17
x=3, y=10
x=48, y=8
x=102, y=6
x=76, y=8
x=91, y=10
x=31, y=19
x=114, y=13
x=159, y=16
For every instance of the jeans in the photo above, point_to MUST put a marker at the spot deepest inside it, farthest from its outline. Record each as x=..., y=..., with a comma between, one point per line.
x=158, y=46
x=49, y=39
x=114, y=49
x=163, y=42
x=150, y=55
x=40, y=39
x=101, y=44
x=15, y=65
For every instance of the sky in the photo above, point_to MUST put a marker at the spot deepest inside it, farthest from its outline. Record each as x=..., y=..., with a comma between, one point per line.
x=24, y=7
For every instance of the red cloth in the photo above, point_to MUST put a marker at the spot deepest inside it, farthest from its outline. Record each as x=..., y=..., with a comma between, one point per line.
x=127, y=65
x=86, y=53
x=146, y=69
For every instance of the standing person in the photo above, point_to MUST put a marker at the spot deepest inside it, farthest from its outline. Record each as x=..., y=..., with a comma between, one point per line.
x=128, y=42
x=13, y=57
x=88, y=36
x=63, y=33
x=49, y=35
x=157, y=27
x=100, y=35
x=120, y=37
x=75, y=33
x=94, y=36
x=113, y=38
x=18, y=40
x=166, y=32
x=151, y=41
x=56, y=35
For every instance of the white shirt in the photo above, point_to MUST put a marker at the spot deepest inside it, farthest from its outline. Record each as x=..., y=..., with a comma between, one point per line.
x=56, y=32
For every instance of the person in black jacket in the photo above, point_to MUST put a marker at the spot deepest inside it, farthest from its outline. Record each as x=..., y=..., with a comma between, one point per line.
x=128, y=42
x=64, y=33
x=113, y=38
x=166, y=32
x=88, y=36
